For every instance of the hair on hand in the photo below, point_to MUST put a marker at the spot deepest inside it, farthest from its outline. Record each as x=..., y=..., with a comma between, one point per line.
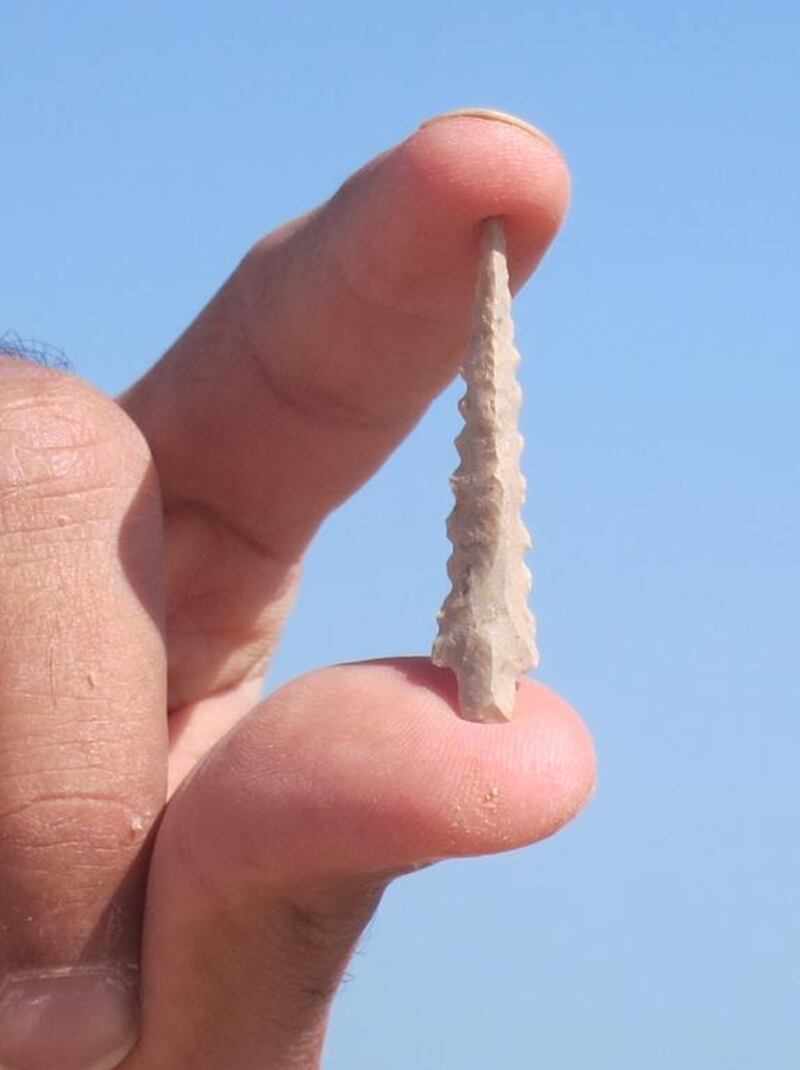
x=14, y=345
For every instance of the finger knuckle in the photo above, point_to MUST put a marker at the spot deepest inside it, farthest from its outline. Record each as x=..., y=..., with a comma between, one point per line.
x=60, y=824
x=61, y=441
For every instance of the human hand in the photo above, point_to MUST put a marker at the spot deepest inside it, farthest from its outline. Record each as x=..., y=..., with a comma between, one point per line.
x=150, y=549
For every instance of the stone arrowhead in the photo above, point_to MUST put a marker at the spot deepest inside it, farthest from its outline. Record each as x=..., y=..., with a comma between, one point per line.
x=486, y=630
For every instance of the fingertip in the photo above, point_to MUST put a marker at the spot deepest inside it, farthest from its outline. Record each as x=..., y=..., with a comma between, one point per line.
x=480, y=163
x=377, y=770
x=408, y=223
x=504, y=785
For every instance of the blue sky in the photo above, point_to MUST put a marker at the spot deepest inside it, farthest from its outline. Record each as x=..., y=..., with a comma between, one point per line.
x=147, y=145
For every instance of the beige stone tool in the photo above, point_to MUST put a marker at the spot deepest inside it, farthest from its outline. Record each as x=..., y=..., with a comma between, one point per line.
x=486, y=630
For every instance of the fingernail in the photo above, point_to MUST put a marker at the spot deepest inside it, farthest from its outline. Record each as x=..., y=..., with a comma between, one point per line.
x=71, y=1019
x=489, y=113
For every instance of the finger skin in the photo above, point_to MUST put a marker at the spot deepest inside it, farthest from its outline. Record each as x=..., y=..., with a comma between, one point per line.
x=82, y=678
x=275, y=852
x=312, y=363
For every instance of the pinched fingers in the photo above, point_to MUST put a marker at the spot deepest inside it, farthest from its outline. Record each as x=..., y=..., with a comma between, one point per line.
x=82, y=717
x=312, y=363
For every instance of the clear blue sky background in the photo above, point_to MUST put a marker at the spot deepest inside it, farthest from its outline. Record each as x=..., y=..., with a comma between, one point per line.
x=147, y=144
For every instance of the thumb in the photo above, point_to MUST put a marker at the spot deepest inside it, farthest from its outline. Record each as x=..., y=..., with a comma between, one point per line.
x=274, y=854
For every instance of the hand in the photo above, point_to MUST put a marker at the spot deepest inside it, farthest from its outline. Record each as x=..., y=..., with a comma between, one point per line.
x=149, y=552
